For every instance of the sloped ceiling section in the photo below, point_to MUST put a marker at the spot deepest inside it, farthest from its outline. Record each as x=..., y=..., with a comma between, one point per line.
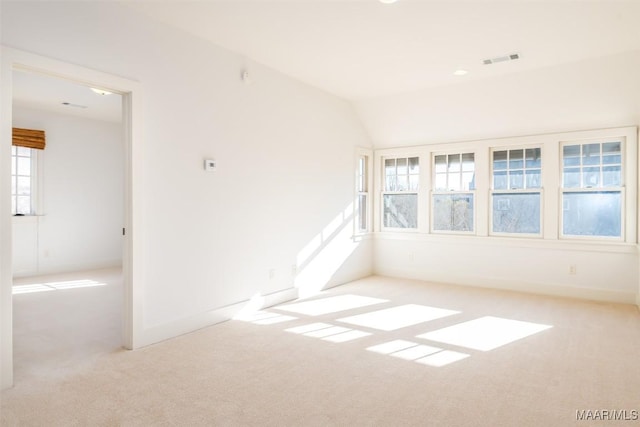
x=362, y=49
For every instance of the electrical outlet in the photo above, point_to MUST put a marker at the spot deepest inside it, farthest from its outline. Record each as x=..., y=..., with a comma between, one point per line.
x=572, y=269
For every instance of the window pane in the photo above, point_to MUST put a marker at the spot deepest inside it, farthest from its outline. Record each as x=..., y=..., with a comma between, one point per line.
x=362, y=212
x=468, y=181
x=611, y=176
x=453, y=212
x=591, y=177
x=571, y=155
x=23, y=151
x=468, y=164
x=611, y=153
x=441, y=181
x=400, y=210
x=14, y=165
x=595, y=213
x=532, y=158
x=414, y=167
x=516, y=180
x=390, y=174
x=440, y=164
x=516, y=213
x=516, y=159
x=402, y=166
x=362, y=173
x=23, y=205
x=500, y=180
x=499, y=160
x=453, y=182
x=24, y=186
x=571, y=178
x=402, y=183
x=454, y=162
x=24, y=166
x=413, y=182
x=591, y=154
x=533, y=178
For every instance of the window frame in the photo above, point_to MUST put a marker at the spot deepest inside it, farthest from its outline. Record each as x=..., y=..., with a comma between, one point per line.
x=363, y=157
x=493, y=191
x=562, y=190
x=435, y=192
x=383, y=190
x=35, y=176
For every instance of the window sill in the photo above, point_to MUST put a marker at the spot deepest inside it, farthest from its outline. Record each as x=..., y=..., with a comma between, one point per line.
x=26, y=219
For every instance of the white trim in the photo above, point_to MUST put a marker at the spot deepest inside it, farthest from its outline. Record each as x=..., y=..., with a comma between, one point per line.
x=537, y=288
x=192, y=323
x=133, y=275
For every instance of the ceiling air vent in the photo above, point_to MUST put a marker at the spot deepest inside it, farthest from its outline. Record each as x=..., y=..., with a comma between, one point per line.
x=505, y=58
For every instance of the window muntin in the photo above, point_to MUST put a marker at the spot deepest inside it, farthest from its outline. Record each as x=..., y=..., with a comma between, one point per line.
x=517, y=191
x=592, y=189
x=22, y=180
x=453, y=195
x=400, y=195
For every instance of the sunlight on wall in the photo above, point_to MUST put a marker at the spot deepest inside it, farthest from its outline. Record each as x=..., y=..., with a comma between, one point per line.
x=325, y=253
x=55, y=286
x=398, y=317
x=485, y=333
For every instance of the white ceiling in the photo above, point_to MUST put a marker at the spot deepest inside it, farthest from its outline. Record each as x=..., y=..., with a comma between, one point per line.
x=360, y=49
x=42, y=92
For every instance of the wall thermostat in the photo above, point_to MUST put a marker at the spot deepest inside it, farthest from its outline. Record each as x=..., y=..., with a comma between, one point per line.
x=209, y=165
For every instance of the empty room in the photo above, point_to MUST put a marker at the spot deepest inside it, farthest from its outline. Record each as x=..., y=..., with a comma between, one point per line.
x=319, y=213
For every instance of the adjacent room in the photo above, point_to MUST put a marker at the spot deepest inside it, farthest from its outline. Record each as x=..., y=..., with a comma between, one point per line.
x=369, y=212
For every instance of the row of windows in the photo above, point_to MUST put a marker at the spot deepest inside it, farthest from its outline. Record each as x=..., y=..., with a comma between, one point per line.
x=589, y=177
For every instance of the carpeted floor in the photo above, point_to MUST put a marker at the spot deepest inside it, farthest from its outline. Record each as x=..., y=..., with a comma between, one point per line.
x=375, y=352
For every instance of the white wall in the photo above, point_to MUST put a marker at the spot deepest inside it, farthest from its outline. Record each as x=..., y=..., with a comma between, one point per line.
x=592, y=94
x=79, y=222
x=285, y=155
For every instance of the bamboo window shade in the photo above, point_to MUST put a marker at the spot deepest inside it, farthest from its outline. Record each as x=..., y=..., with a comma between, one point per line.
x=29, y=138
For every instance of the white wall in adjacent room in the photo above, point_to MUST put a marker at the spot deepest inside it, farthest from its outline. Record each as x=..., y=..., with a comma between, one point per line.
x=79, y=222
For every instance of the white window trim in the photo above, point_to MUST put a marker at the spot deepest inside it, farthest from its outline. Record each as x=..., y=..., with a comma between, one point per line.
x=539, y=190
x=550, y=198
x=627, y=189
x=367, y=154
x=36, y=172
x=380, y=192
x=435, y=192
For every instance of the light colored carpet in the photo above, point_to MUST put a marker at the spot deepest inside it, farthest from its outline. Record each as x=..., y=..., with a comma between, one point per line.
x=530, y=361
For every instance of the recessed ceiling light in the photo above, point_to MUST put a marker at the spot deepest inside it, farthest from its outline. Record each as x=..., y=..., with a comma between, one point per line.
x=460, y=72
x=101, y=91
x=387, y=1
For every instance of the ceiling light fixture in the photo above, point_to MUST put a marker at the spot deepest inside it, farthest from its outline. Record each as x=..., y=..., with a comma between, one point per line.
x=101, y=91
x=387, y=1
x=460, y=72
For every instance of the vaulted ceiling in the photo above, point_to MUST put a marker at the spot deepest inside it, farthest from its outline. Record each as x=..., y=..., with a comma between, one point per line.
x=361, y=49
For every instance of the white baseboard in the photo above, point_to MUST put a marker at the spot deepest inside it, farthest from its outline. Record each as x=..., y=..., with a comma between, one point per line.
x=559, y=290
x=189, y=324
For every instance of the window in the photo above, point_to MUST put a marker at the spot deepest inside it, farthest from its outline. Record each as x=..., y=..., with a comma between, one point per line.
x=362, y=195
x=453, y=195
x=400, y=195
x=592, y=189
x=516, y=195
x=23, y=167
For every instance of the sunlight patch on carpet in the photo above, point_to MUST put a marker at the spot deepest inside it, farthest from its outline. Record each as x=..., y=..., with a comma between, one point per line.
x=330, y=305
x=394, y=318
x=486, y=333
